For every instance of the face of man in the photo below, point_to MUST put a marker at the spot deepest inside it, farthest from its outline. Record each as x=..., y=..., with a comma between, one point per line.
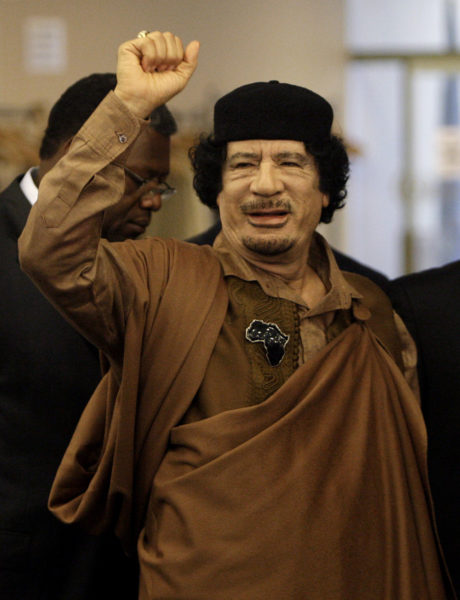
x=270, y=203
x=149, y=159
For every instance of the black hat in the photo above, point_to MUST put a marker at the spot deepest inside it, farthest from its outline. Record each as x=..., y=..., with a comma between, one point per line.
x=272, y=111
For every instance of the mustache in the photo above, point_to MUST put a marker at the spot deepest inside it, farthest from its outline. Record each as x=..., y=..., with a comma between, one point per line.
x=250, y=206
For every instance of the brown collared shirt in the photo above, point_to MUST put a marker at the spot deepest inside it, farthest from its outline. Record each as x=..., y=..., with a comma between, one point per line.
x=315, y=334
x=237, y=373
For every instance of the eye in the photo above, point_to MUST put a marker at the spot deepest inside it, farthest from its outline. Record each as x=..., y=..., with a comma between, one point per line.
x=290, y=163
x=242, y=164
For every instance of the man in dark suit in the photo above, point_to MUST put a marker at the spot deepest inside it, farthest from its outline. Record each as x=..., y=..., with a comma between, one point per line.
x=48, y=372
x=428, y=303
x=346, y=263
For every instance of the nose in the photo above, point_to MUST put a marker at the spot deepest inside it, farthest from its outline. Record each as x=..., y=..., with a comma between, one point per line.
x=266, y=181
x=150, y=201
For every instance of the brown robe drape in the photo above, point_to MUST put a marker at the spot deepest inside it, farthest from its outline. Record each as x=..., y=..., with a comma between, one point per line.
x=319, y=492
x=105, y=476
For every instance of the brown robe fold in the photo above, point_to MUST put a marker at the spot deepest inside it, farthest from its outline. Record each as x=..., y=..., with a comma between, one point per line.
x=320, y=492
x=105, y=477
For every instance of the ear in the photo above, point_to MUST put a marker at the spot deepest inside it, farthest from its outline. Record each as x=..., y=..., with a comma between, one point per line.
x=325, y=200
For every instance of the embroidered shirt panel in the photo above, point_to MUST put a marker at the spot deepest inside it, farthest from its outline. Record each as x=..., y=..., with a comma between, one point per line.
x=316, y=329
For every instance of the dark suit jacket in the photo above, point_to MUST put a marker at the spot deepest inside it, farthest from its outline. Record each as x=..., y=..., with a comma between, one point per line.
x=47, y=374
x=346, y=263
x=429, y=304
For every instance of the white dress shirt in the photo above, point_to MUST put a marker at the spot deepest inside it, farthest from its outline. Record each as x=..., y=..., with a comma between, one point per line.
x=28, y=187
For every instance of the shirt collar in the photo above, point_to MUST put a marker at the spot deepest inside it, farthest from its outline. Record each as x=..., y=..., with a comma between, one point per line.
x=28, y=187
x=339, y=292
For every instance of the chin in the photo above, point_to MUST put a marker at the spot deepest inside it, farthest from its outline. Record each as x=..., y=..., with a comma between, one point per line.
x=268, y=246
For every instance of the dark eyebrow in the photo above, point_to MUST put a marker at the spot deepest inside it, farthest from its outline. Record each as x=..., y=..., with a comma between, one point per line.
x=301, y=158
x=304, y=160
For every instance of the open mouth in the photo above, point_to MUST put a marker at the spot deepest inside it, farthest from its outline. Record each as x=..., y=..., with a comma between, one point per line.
x=267, y=218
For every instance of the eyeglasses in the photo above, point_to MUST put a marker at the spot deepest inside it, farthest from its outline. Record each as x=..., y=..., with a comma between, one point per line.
x=163, y=189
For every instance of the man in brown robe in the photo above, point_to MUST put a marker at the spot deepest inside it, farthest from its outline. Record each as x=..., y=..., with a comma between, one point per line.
x=254, y=435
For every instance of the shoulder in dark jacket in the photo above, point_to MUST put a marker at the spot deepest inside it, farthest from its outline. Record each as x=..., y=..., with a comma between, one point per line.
x=428, y=304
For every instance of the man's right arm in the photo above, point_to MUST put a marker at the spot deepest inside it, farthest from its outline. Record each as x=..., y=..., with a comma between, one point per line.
x=60, y=247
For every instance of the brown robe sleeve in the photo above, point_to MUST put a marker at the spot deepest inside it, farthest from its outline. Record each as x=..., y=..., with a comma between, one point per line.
x=133, y=300
x=60, y=247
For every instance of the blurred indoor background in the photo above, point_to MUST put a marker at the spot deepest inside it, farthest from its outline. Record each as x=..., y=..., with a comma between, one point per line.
x=390, y=69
